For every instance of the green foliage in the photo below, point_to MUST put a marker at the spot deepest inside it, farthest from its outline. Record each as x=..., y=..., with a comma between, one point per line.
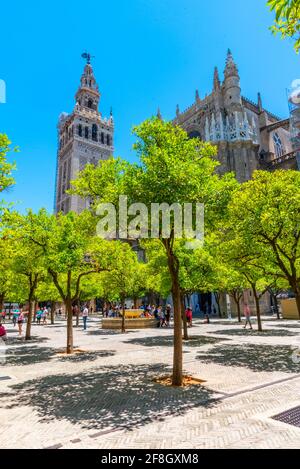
x=6, y=168
x=125, y=276
x=287, y=20
x=262, y=237
x=265, y=215
x=12, y=284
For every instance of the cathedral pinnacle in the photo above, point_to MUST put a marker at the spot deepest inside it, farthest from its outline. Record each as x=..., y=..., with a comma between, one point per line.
x=231, y=68
x=216, y=79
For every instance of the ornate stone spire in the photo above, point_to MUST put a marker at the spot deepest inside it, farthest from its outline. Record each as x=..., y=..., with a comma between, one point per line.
x=197, y=96
x=158, y=114
x=177, y=110
x=231, y=68
x=216, y=79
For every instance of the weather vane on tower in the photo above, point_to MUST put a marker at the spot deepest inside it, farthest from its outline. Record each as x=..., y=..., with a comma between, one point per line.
x=87, y=56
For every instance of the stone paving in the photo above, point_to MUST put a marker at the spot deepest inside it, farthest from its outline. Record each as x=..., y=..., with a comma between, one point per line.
x=106, y=397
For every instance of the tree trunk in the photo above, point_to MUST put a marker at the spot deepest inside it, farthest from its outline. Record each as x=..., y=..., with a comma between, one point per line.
x=52, y=313
x=276, y=307
x=69, y=312
x=177, y=353
x=239, y=310
x=274, y=297
x=123, y=316
x=31, y=308
x=297, y=297
x=217, y=297
x=184, y=321
x=273, y=301
x=259, y=324
x=135, y=300
x=236, y=298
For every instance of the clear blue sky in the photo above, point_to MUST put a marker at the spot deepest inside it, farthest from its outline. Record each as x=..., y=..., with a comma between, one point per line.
x=147, y=53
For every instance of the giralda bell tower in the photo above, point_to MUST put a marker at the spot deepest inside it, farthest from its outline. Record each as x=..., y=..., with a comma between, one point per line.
x=84, y=136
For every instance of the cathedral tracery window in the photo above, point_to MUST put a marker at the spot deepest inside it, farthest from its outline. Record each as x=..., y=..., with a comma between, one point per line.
x=90, y=103
x=86, y=132
x=278, y=146
x=80, y=130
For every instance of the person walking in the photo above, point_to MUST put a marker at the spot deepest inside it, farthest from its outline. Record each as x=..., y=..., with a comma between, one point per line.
x=161, y=316
x=39, y=315
x=20, y=322
x=3, y=334
x=168, y=315
x=247, y=314
x=189, y=316
x=16, y=313
x=85, y=314
x=44, y=316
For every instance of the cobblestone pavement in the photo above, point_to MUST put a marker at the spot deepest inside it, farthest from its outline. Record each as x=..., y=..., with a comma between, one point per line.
x=106, y=396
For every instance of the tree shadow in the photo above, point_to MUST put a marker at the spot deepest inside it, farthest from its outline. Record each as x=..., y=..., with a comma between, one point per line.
x=28, y=355
x=167, y=341
x=54, y=326
x=254, y=332
x=254, y=357
x=87, y=356
x=15, y=341
x=108, y=332
x=122, y=396
x=292, y=326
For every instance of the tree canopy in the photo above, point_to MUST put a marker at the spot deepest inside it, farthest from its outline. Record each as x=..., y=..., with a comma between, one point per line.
x=287, y=20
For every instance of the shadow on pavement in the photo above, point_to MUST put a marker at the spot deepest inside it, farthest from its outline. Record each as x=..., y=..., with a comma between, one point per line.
x=292, y=326
x=13, y=341
x=254, y=357
x=108, y=332
x=27, y=355
x=123, y=396
x=87, y=356
x=194, y=341
x=255, y=332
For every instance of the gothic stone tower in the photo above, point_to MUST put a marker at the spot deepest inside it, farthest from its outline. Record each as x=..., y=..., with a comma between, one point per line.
x=243, y=131
x=83, y=137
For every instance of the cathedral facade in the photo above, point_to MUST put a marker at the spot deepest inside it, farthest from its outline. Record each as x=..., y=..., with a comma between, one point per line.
x=84, y=136
x=248, y=137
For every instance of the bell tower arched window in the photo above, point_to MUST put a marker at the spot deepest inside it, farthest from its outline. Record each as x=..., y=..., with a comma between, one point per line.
x=278, y=146
x=80, y=130
x=94, y=132
x=90, y=103
x=86, y=132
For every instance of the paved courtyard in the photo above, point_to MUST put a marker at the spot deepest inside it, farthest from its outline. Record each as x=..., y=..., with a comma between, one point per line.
x=106, y=397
